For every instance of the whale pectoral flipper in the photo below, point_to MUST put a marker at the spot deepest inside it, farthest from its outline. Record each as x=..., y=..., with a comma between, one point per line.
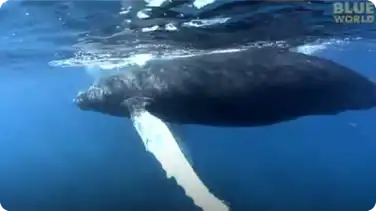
x=159, y=141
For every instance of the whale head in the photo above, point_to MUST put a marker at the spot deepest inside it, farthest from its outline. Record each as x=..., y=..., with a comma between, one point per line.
x=106, y=96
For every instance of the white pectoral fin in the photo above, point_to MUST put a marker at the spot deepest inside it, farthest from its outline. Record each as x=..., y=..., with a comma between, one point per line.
x=183, y=147
x=158, y=140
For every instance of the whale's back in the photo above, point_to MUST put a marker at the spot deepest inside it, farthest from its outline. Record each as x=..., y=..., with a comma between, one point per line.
x=255, y=87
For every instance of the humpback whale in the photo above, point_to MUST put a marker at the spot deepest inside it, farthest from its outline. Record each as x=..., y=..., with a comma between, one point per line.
x=254, y=87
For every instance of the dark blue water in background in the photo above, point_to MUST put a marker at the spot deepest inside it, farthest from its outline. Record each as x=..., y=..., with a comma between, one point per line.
x=55, y=157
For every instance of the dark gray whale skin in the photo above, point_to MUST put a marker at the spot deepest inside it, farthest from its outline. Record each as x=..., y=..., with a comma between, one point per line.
x=254, y=87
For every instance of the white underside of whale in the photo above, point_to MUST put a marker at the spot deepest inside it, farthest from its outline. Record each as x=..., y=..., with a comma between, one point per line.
x=159, y=141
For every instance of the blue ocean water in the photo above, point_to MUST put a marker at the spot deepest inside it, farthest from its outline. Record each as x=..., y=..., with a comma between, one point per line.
x=55, y=157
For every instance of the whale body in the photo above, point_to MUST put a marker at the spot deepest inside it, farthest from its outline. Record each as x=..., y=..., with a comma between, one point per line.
x=254, y=87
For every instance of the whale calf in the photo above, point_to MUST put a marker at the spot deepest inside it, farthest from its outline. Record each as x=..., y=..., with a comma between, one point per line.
x=254, y=87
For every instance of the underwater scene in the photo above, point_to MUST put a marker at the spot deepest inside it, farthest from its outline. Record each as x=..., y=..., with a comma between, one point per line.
x=187, y=105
